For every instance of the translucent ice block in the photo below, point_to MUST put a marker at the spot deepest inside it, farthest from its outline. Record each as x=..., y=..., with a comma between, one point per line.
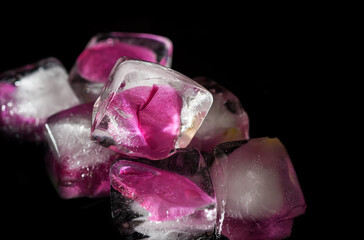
x=225, y=122
x=77, y=166
x=147, y=110
x=30, y=94
x=95, y=63
x=167, y=199
x=258, y=194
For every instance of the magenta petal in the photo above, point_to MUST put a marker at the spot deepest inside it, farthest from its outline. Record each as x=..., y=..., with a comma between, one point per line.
x=96, y=62
x=160, y=126
x=149, y=126
x=164, y=194
x=6, y=89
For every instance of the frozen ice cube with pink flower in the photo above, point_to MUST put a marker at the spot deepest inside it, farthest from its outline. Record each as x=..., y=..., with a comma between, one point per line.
x=257, y=190
x=147, y=110
x=77, y=166
x=30, y=94
x=167, y=199
x=94, y=64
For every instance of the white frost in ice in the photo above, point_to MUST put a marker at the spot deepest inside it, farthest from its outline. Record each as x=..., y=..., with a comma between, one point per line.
x=252, y=189
x=44, y=92
x=72, y=139
x=186, y=228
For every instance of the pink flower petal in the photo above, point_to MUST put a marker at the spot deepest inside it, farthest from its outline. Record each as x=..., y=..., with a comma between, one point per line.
x=164, y=194
x=148, y=126
x=95, y=63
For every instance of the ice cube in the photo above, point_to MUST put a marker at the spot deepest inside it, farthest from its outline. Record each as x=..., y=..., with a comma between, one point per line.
x=257, y=190
x=168, y=199
x=30, y=94
x=225, y=122
x=95, y=63
x=147, y=110
x=77, y=166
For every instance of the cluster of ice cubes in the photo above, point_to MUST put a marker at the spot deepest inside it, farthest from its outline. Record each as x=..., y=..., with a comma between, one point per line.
x=173, y=153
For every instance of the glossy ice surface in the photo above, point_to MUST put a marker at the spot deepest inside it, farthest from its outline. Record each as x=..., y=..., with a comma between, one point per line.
x=257, y=190
x=225, y=122
x=154, y=130
x=164, y=199
x=77, y=166
x=96, y=61
x=163, y=194
x=30, y=94
x=148, y=110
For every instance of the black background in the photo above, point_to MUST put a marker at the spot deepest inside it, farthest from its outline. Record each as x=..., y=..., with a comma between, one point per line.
x=273, y=59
